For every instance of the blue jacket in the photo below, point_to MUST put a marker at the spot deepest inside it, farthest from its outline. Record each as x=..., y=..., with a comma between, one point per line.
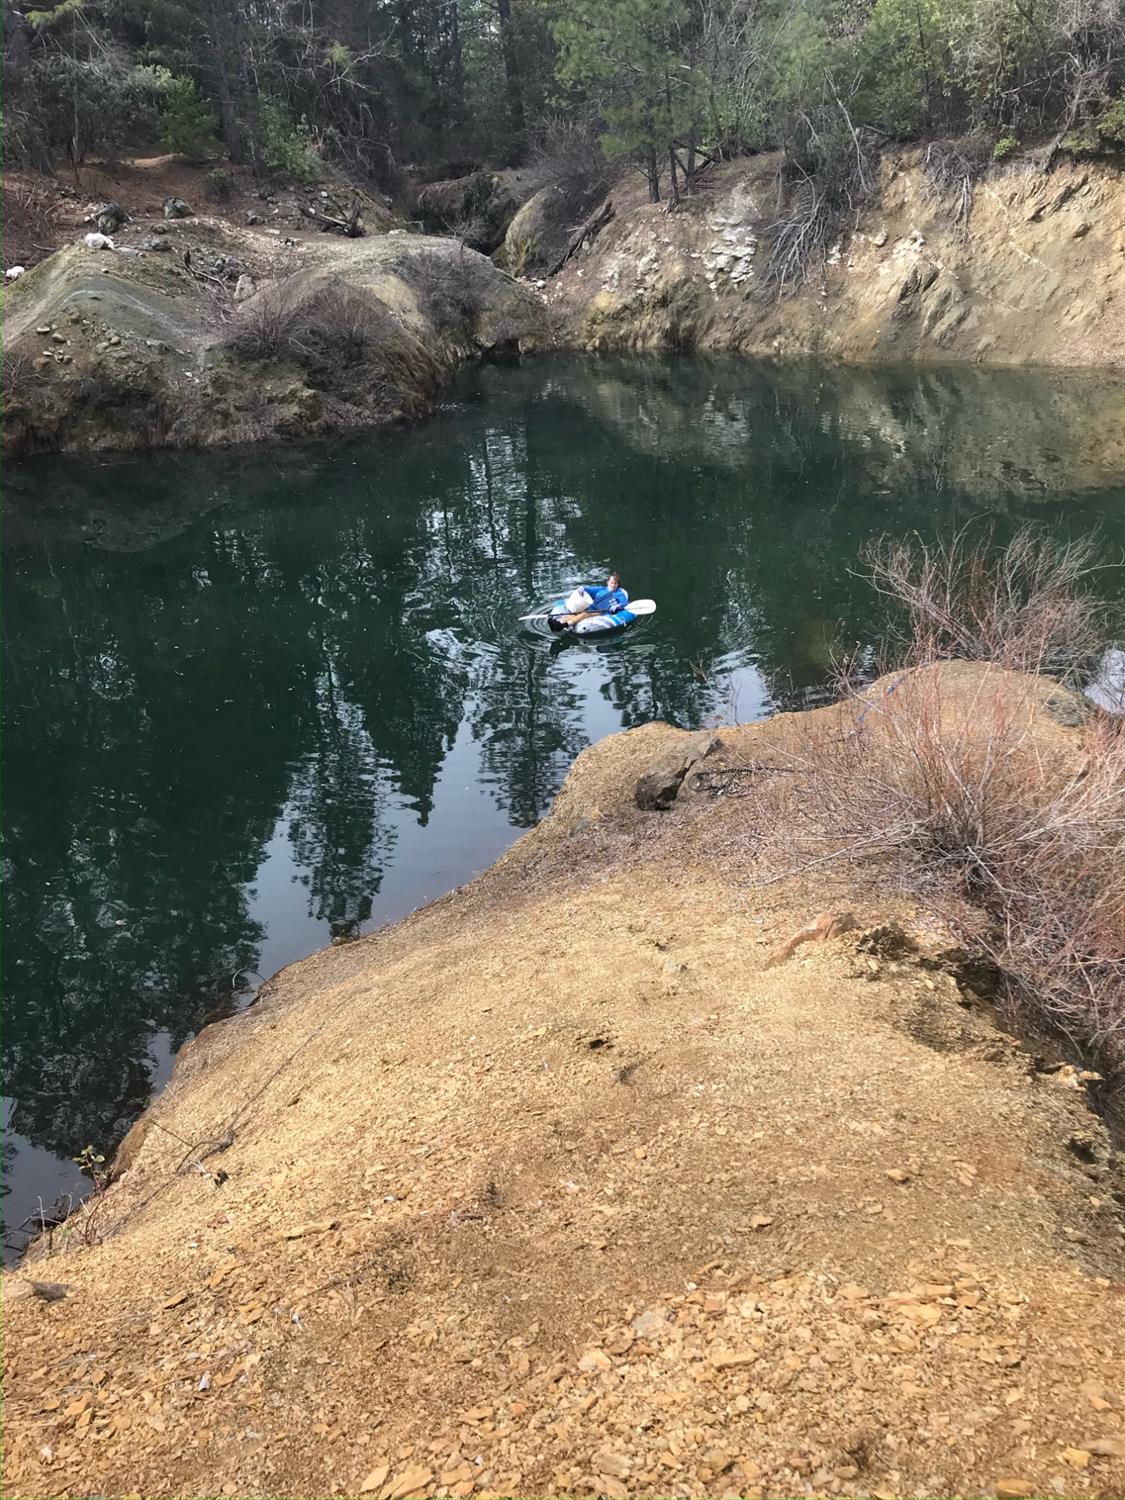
x=608, y=601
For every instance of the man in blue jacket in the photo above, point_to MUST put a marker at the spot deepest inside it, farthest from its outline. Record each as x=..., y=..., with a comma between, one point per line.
x=594, y=601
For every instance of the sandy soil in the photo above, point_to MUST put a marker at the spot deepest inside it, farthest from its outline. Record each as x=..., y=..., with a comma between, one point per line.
x=556, y=1188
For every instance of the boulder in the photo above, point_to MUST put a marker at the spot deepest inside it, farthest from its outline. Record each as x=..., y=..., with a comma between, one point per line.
x=244, y=288
x=176, y=208
x=659, y=786
x=111, y=217
x=540, y=234
x=476, y=209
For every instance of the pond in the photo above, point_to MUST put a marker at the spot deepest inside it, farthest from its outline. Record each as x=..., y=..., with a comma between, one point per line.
x=256, y=700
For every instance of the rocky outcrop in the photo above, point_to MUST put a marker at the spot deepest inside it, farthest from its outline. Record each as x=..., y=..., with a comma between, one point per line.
x=541, y=233
x=477, y=209
x=1036, y=275
x=659, y=784
x=219, y=341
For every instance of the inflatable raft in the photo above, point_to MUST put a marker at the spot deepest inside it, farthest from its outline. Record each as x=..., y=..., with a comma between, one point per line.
x=601, y=624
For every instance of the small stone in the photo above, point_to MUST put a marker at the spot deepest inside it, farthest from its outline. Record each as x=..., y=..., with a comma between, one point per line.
x=1107, y=1447
x=113, y=340
x=614, y=1464
x=1082, y=231
x=59, y=338
x=593, y=1360
x=729, y=1359
x=898, y=1174
x=761, y=1221
x=651, y=1324
x=376, y=1479
x=43, y=330
x=411, y=1481
x=1013, y=1489
x=1077, y=1458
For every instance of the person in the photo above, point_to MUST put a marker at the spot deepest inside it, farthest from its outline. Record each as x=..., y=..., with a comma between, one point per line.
x=584, y=603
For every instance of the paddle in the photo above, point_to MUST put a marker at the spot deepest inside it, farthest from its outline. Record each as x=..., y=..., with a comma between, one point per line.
x=637, y=607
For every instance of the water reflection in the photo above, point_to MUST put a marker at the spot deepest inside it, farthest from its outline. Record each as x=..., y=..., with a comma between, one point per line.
x=255, y=700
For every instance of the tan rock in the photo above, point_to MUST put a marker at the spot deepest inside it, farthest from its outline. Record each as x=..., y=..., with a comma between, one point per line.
x=412, y=1481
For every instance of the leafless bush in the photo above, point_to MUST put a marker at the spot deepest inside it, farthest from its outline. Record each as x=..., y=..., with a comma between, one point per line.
x=448, y=289
x=827, y=184
x=961, y=798
x=264, y=326
x=1026, y=604
x=342, y=336
x=15, y=372
x=952, y=169
x=566, y=154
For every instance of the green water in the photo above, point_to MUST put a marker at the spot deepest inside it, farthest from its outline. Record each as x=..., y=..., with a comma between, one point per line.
x=256, y=699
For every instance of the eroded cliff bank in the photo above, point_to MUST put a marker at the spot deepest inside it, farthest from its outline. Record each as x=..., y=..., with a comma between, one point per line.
x=561, y=1187
x=203, y=331
x=1035, y=274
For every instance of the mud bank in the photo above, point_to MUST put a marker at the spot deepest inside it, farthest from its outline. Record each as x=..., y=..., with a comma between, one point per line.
x=591, y=1184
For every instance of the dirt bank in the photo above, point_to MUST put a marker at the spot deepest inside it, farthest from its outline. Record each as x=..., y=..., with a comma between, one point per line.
x=136, y=345
x=1035, y=276
x=557, y=1187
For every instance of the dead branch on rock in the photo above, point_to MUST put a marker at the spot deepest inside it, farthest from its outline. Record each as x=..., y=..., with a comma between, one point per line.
x=586, y=235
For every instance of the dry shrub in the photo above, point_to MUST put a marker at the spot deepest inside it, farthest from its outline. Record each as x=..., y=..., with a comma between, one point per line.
x=964, y=791
x=953, y=168
x=566, y=154
x=345, y=339
x=1026, y=605
x=31, y=221
x=966, y=802
x=449, y=290
x=16, y=372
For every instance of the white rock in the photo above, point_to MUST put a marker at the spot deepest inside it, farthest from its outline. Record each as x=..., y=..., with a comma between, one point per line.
x=13, y=273
x=96, y=241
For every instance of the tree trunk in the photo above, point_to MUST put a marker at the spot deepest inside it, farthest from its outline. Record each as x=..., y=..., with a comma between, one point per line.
x=456, y=66
x=17, y=70
x=673, y=179
x=516, y=119
x=652, y=169
x=221, y=35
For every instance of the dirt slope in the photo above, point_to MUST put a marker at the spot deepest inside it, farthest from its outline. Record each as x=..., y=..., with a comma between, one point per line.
x=1036, y=276
x=555, y=1188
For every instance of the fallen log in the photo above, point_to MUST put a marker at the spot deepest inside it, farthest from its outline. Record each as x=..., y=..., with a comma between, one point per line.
x=586, y=234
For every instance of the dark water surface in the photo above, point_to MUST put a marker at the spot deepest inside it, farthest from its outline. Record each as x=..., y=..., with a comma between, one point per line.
x=253, y=700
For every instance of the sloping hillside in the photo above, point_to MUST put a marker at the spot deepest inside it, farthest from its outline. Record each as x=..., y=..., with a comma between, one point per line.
x=558, y=1187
